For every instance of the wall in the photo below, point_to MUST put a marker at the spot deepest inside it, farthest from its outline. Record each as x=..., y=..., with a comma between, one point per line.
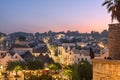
x=106, y=69
x=114, y=41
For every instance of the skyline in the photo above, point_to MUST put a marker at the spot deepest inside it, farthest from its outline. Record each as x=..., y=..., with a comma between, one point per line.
x=56, y=15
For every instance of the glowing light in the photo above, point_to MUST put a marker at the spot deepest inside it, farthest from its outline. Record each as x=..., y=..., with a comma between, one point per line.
x=101, y=45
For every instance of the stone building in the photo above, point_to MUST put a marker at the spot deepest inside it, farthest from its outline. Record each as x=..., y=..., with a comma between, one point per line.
x=114, y=41
x=70, y=56
x=104, y=69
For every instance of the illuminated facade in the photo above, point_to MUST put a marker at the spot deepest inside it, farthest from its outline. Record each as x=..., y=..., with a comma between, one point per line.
x=106, y=69
x=73, y=56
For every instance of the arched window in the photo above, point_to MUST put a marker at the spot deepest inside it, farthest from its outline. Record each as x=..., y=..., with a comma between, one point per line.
x=85, y=59
x=82, y=59
x=78, y=59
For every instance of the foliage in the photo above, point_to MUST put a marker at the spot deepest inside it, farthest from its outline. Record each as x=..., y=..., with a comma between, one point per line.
x=35, y=64
x=68, y=72
x=15, y=65
x=85, y=70
x=52, y=47
x=91, y=53
x=71, y=70
x=54, y=66
x=45, y=77
x=29, y=76
x=113, y=6
x=17, y=68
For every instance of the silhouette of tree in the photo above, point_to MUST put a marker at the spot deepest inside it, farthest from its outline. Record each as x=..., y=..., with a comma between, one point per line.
x=113, y=6
x=91, y=53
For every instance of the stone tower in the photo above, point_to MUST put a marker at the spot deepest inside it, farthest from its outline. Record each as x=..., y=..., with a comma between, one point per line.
x=114, y=41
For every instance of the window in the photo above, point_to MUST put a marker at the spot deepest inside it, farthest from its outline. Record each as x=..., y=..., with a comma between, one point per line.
x=82, y=59
x=15, y=56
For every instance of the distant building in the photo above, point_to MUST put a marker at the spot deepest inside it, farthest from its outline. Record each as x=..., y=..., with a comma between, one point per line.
x=70, y=55
x=23, y=43
x=21, y=50
x=109, y=68
x=8, y=57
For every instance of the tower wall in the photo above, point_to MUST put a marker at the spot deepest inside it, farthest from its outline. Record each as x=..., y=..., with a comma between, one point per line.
x=114, y=41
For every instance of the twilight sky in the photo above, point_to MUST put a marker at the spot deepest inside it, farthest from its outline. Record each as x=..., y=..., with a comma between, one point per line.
x=56, y=15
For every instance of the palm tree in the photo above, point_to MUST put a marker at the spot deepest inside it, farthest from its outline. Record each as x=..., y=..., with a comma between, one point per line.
x=113, y=6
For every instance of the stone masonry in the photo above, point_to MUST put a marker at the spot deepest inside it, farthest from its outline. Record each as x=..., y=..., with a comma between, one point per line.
x=114, y=41
x=106, y=69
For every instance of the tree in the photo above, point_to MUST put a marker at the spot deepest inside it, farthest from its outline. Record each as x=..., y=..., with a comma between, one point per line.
x=35, y=64
x=71, y=71
x=13, y=65
x=68, y=72
x=91, y=53
x=45, y=77
x=17, y=68
x=85, y=70
x=54, y=66
x=113, y=6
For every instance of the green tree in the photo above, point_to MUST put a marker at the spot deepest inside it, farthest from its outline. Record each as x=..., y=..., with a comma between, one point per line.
x=17, y=68
x=113, y=6
x=12, y=65
x=71, y=70
x=35, y=64
x=85, y=70
x=45, y=77
x=68, y=73
x=54, y=66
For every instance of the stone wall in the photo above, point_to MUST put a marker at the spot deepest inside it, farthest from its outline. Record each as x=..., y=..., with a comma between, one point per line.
x=106, y=69
x=114, y=41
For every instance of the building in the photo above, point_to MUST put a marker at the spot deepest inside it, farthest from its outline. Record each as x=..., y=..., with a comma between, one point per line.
x=106, y=69
x=70, y=55
x=21, y=50
x=8, y=57
x=109, y=68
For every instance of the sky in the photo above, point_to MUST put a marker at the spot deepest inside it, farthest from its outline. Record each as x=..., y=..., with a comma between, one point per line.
x=56, y=15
